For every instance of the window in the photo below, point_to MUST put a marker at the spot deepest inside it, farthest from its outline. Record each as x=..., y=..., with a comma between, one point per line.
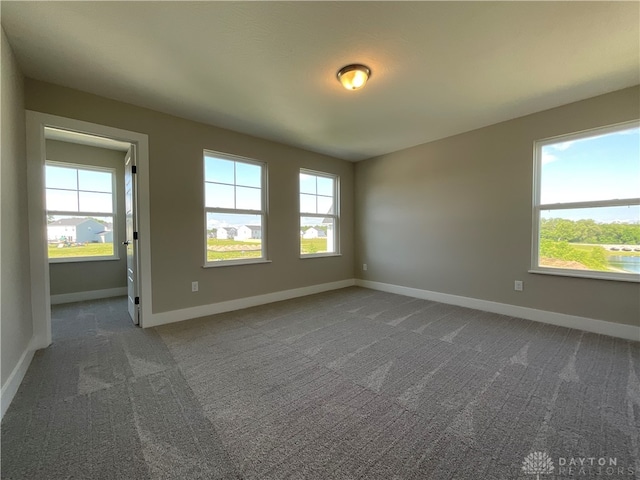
x=235, y=212
x=587, y=204
x=319, y=207
x=80, y=212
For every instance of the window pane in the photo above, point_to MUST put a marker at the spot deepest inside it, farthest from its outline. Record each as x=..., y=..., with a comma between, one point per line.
x=248, y=175
x=325, y=186
x=218, y=170
x=62, y=200
x=307, y=183
x=308, y=203
x=80, y=236
x=603, y=239
x=602, y=167
x=248, y=198
x=325, y=205
x=233, y=237
x=317, y=235
x=219, y=196
x=95, y=181
x=96, y=202
x=61, y=177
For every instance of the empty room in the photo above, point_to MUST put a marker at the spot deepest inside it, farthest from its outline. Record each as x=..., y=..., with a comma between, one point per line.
x=320, y=240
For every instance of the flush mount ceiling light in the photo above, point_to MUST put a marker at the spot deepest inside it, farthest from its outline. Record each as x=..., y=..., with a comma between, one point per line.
x=354, y=77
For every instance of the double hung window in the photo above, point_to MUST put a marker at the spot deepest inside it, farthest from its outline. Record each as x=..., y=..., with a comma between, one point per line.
x=586, y=209
x=235, y=209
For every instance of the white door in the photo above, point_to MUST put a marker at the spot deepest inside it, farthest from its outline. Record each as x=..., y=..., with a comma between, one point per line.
x=131, y=234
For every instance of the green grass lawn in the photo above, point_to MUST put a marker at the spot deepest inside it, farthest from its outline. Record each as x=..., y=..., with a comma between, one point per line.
x=224, y=249
x=237, y=255
x=88, y=250
x=232, y=249
x=313, y=245
x=237, y=250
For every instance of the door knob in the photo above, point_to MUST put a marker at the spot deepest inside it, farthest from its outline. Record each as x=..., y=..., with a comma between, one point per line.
x=126, y=242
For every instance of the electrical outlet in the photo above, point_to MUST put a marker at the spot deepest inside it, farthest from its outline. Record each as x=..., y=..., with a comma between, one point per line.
x=518, y=285
x=364, y=267
x=194, y=286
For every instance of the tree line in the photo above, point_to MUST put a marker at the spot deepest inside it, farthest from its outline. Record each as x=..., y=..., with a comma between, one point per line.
x=589, y=231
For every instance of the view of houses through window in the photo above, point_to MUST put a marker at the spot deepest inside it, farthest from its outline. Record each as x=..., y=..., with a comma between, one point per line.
x=80, y=212
x=234, y=208
x=318, y=213
x=587, y=208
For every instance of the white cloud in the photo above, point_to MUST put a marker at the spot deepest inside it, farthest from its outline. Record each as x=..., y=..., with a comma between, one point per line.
x=563, y=146
x=548, y=158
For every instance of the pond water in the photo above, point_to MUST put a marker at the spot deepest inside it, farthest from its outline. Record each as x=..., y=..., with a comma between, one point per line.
x=628, y=264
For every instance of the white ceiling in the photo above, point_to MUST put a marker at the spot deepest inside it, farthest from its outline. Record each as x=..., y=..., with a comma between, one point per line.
x=268, y=68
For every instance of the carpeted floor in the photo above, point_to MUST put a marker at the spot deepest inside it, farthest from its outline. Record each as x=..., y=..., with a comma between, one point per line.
x=349, y=384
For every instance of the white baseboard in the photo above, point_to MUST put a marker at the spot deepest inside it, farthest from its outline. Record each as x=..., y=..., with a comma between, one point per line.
x=90, y=295
x=10, y=387
x=231, y=305
x=628, y=332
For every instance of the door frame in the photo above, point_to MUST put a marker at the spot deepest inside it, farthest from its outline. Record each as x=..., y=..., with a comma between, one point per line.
x=39, y=264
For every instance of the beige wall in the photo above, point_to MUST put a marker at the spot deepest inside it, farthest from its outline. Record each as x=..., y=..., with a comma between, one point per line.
x=454, y=215
x=16, y=326
x=176, y=199
x=76, y=277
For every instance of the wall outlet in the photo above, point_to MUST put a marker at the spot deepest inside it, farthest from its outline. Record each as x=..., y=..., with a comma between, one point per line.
x=194, y=286
x=518, y=285
x=364, y=267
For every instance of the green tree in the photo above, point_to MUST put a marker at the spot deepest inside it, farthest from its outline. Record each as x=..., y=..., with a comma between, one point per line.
x=589, y=231
x=594, y=258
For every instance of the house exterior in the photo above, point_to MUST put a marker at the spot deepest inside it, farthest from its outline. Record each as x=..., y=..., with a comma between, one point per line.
x=226, y=233
x=78, y=230
x=310, y=233
x=105, y=236
x=249, y=232
x=314, y=233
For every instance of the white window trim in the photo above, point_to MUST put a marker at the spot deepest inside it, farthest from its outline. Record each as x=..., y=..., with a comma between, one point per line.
x=114, y=214
x=263, y=213
x=335, y=216
x=538, y=208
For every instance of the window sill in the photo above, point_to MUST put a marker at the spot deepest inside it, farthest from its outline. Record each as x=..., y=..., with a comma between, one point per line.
x=234, y=263
x=620, y=277
x=320, y=255
x=82, y=259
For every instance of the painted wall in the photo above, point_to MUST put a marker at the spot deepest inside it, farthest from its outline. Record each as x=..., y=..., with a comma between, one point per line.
x=454, y=215
x=95, y=275
x=16, y=323
x=176, y=201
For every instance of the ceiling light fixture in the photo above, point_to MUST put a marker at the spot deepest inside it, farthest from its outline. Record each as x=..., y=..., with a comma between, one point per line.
x=354, y=77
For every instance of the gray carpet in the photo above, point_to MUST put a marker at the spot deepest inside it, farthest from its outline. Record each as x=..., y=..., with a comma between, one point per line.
x=349, y=384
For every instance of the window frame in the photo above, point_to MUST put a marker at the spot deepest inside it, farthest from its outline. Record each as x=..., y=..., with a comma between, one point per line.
x=263, y=212
x=335, y=215
x=537, y=207
x=80, y=213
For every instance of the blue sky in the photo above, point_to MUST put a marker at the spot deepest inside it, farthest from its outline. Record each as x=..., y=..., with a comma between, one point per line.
x=74, y=190
x=230, y=184
x=598, y=168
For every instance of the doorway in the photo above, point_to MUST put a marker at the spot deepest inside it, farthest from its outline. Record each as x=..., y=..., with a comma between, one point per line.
x=91, y=218
x=131, y=238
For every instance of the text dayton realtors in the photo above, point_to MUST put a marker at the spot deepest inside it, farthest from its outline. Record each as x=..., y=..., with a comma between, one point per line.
x=592, y=466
